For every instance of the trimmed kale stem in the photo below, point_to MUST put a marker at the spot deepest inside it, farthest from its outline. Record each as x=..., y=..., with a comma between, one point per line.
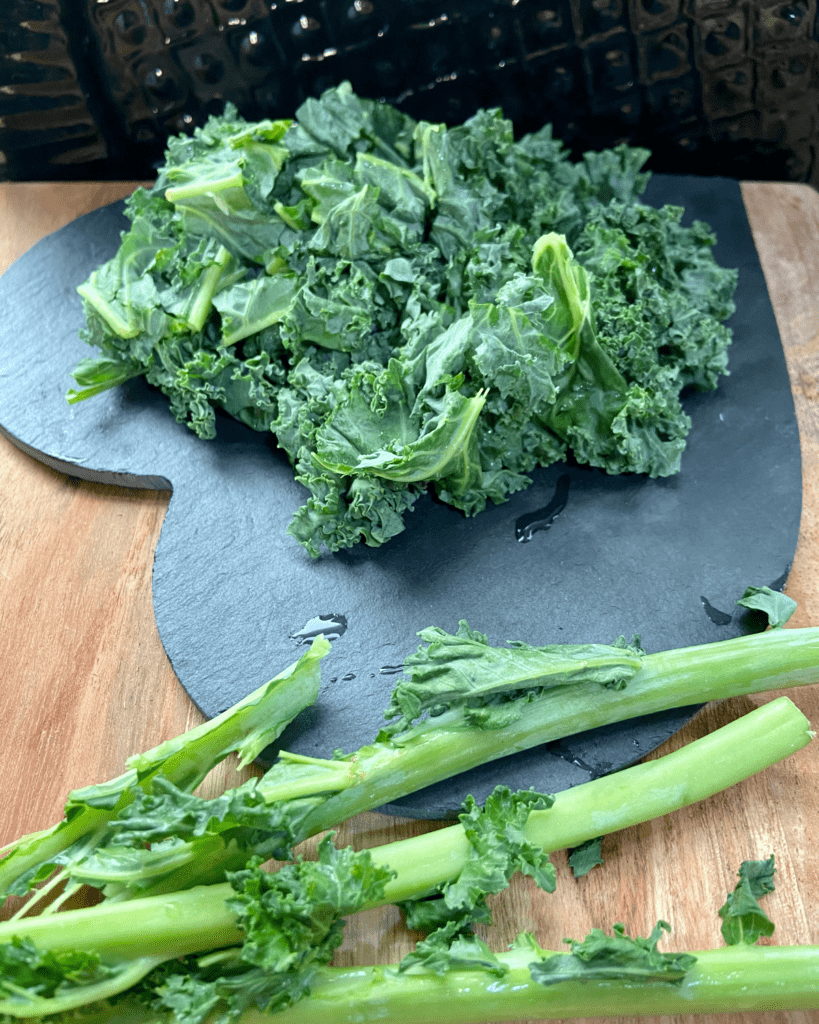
x=733, y=979
x=168, y=926
x=444, y=746
x=645, y=791
x=197, y=919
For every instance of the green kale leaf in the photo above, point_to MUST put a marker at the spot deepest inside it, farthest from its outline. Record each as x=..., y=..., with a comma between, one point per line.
x=776, y=606
x=743, y=920
x=615, y=956
x=463, y=670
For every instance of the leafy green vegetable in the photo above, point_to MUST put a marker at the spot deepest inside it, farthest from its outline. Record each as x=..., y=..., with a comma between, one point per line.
x=498, y=848
x=585, y=857
x=292, y=922
x=34, y=983
x=410, y=307
x=743, y=920
x=463, y=670
x=777, y=606
x=27, y=974
x=601, y=956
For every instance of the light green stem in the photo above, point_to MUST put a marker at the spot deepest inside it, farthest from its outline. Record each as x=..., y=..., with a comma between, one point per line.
x=121, y=327
x=734, y=979
x=645, y=791
x=195, y=189
x=203, y=303
x=445, y=746
x=40, y=894
x=730, y=980
x=172, y=925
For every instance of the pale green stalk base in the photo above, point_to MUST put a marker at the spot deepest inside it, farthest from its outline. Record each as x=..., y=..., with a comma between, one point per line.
x=731, y=980
x=445, y=746
x=118, y=325
x=640, y=793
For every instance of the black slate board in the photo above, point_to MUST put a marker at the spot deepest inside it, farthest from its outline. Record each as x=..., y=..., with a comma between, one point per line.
x=236, y=598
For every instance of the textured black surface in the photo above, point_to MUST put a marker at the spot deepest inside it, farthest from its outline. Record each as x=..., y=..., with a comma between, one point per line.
x=726, y=87
x=236, y=598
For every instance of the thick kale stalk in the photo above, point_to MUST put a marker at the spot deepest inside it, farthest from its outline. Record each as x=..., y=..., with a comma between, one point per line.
x=605, y=974
x=537, y=711
x=727, y=980
x=640, y=793
x=730, y=980
x=129, y=939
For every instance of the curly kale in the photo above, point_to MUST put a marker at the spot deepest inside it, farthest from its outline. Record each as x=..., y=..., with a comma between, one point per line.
x=410, y=307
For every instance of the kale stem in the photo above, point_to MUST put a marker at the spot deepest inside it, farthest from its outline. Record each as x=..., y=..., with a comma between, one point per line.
x=733, y=979
x=728, y=980
x=202, y=305
x=444, y=746
x=649, y=790
x=195, y=189
x=63, y=898
x=121, y=327
x=163, y=927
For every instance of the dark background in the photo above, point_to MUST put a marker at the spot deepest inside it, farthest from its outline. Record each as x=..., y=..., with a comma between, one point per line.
x=90, y=89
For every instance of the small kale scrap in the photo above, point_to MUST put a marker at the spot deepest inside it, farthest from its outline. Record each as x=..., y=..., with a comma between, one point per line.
x=410, y=307
x=601, y=956
x=743, y=920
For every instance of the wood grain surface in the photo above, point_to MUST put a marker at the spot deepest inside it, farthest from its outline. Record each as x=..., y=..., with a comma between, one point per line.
x=85, y=680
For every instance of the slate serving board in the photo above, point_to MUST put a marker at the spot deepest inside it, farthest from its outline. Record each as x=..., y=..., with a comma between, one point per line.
x=579, y=557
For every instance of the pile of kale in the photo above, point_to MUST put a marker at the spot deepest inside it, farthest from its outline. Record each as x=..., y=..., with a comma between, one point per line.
x=408, y=306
